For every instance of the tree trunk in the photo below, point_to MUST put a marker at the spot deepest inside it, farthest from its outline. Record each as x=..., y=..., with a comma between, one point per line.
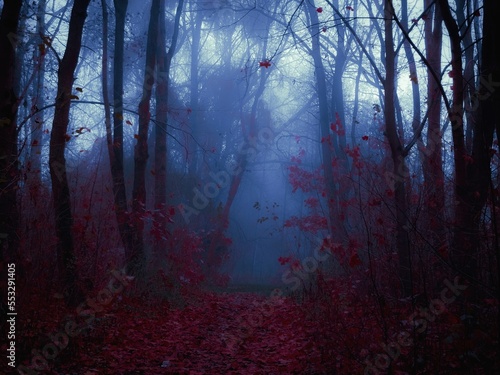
x=326, y=152
x=9, y=174
x=400, y=172
x=433, y=163
x=116, y=153
x=463, y=246
x=136, y=257
x=486, y=121
x=38, y=102
x=194, y=93
x=67, y=268
x=160, y=151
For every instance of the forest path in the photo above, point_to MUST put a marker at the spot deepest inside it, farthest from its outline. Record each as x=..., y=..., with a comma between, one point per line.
x=221, y=333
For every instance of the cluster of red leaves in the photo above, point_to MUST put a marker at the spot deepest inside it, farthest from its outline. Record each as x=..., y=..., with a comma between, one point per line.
x=337, y=126
x=304, y=180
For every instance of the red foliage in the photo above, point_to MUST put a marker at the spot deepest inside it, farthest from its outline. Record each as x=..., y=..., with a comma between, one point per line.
x=266, y=64
x=319, y=10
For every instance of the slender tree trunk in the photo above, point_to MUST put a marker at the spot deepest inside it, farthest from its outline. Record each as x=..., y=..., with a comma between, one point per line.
x=67, y=267
x=326, y=152
x=136, y=258
x=37, y=103
x=116, y=153
x=463, y=246
x=468, y=52
x=397, y=152
x=486, y=121
x=194, y=99
x=104, y=80
x=9, y=174
x=433, y=163
x=160, y=151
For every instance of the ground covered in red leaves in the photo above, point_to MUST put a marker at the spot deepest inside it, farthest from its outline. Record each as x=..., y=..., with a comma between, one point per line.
x=247, y=333
x=237, y=333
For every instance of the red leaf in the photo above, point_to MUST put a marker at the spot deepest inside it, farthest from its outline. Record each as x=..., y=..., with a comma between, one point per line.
x=350, y=8
x=283, y=260
x=364, y=138
x=266, y=64
x=67, y=137
x=319, y=10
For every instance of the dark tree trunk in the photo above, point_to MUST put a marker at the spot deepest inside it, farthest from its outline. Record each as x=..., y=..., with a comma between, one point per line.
x=9, y=175
x=160, y=151
x=433, y=163
x=486, y=122
x=326, y=152
x=194, y=92
x=67, y=268
x=136, y=257
x=398, y=158
x=463, y=245
x=35, y=178
x=116, y=153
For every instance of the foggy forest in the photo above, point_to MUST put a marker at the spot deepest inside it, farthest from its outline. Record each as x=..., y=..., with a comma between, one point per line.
x=250, y=187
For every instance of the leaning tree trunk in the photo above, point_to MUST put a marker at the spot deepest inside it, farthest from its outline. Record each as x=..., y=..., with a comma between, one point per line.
x=67, y=268
x=398, y=157
x=136, y=259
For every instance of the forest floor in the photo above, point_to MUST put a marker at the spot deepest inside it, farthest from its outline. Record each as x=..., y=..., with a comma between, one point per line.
x=214, y=333
x=243, y=330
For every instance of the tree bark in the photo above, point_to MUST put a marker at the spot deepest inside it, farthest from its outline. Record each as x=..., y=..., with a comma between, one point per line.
x=136, y=259
x=37, y=103
x=194, y=151
x=116, y=152
x=326, y=152
x=433, y=163
x=160, y=150
x=67, y=268
x=400, y=172
x=9, y=174
x=463, y=246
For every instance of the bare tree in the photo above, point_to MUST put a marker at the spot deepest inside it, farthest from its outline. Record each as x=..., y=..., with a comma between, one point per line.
x=67, y=268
